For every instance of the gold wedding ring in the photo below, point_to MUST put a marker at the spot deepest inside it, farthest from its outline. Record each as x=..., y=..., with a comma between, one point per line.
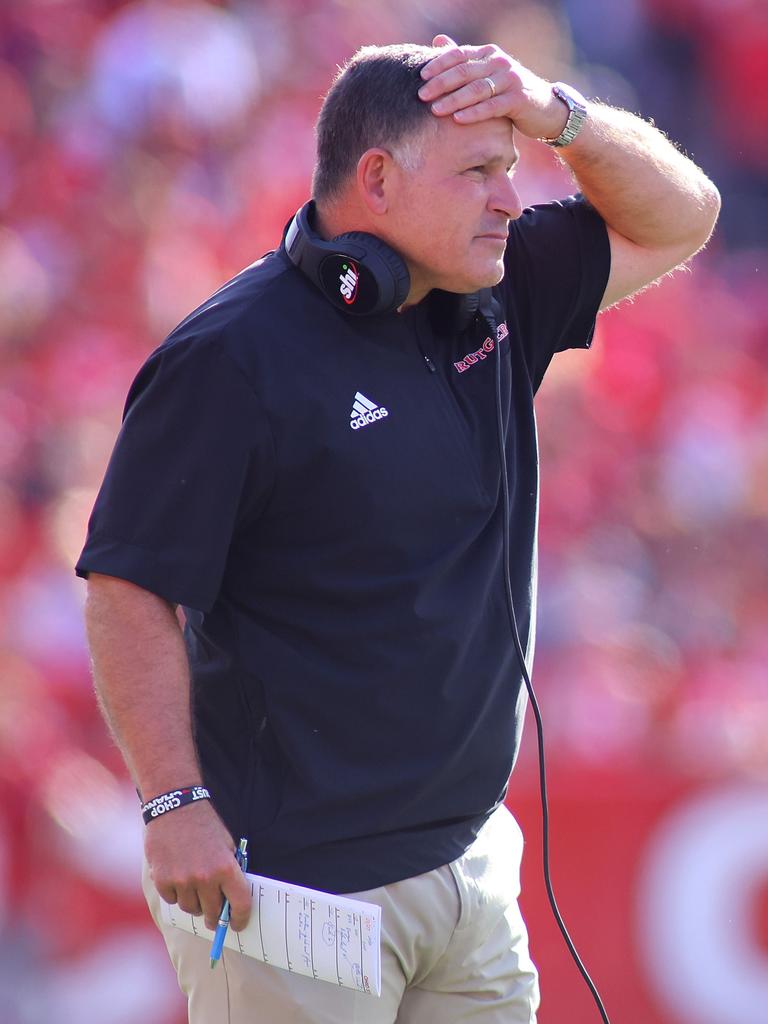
x=492, y=84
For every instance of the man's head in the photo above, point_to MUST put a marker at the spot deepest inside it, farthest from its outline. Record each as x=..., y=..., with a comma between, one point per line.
x=437, y=191
x=372, y=102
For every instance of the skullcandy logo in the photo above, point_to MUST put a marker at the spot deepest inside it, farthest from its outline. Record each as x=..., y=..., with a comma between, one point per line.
x=349, y=279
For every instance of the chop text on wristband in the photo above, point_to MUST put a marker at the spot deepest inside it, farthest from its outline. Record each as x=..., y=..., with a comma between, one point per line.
x=172, y=800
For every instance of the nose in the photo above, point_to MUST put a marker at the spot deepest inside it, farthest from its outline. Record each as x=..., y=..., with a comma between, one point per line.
x=504, y=198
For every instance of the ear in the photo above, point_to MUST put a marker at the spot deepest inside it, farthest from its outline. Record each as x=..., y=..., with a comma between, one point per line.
x=375, y=172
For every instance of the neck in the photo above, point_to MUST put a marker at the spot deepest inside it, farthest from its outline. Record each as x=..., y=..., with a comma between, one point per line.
x=418, y=292
x=333, y=219
x=324, y=224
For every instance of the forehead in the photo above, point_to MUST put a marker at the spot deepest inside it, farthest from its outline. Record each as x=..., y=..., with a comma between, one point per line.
x=493, y=139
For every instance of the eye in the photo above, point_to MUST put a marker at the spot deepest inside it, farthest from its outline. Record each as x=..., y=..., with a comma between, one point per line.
x=479, y=169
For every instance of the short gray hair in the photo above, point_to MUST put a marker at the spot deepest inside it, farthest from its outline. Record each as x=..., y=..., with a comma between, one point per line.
x=373, y=102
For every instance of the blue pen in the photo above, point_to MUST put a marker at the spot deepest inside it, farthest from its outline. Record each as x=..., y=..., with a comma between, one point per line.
x=221, y=927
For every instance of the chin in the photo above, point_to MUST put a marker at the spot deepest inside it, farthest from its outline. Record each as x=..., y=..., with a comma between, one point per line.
x=496, y=275
x=492, y=276
x=474, y=280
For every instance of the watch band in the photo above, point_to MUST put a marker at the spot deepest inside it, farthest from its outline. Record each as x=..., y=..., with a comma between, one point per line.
x=577, y=114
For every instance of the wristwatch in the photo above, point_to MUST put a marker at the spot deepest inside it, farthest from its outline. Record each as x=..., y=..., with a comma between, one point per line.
x=577, y=114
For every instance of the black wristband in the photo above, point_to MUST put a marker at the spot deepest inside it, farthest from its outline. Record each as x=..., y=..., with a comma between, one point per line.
x=160, y=805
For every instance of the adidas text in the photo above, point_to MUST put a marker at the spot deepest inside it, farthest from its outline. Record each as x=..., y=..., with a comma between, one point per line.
x=369, y=417
x=364, y=411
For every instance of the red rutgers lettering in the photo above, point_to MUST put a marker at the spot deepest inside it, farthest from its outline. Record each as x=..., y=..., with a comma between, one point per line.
x=483, y=352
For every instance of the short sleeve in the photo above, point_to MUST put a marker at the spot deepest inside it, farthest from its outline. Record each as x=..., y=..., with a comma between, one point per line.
x=557, y=264
x=192, y=465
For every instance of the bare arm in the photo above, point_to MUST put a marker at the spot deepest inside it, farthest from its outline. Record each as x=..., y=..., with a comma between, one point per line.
x=141, y=676
x=660, y=208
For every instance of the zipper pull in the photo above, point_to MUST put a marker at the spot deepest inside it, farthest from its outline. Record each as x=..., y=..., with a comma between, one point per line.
x=430, y=365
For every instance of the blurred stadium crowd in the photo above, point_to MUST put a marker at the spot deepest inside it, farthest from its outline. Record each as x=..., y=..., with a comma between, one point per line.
x=148, y=151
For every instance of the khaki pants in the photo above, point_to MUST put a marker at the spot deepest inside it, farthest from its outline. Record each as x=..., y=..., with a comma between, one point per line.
x=454, y=950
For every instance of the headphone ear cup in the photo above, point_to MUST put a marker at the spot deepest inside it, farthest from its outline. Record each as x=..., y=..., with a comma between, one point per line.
x=387, y=268
x=357, y=272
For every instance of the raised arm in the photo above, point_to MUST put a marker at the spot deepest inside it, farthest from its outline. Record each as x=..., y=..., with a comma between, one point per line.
x=141, y=676
x=659, y=207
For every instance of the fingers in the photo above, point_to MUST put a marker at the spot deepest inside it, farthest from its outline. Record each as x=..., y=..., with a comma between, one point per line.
x=196, y=896
x=188, y=901
x=211, y=898
x=205, y=897
x=454, y=54
x=468, y=81
x=166, y=892
x=192, y=862
x=230, y=885
x=474, y=101
x=240, y=896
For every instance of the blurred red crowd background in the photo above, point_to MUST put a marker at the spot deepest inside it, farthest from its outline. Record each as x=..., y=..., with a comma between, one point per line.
x=148, y=151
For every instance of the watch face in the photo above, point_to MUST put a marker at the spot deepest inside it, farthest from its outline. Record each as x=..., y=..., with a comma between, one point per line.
x=577, y=113
x=572, y=97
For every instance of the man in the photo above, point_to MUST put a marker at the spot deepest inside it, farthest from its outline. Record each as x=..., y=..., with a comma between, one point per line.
x=321, y=492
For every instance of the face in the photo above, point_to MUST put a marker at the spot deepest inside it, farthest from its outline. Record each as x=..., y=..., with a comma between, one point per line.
x=449, y=217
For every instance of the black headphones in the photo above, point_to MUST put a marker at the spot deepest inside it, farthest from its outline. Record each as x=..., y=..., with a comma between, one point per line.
x=362, y=275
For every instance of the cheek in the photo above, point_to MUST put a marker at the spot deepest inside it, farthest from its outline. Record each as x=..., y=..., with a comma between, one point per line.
x=440, y=222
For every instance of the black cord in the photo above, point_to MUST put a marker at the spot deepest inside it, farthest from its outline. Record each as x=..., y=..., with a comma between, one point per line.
x=529, y=687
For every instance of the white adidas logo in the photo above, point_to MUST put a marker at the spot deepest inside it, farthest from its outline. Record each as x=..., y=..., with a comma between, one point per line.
x=364, y=411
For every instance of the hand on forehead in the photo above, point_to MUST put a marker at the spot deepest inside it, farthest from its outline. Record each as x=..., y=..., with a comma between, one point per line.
x=476, y=83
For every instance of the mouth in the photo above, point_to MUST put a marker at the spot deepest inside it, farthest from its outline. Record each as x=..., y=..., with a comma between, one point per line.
x=494, y=237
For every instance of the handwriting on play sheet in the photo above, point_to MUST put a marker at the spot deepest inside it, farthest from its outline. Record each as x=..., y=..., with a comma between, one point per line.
x=325, y=937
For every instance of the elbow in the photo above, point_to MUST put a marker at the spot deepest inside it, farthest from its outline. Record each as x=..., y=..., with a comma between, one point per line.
x=709, y=206
x=700, y=220
x=714, y=198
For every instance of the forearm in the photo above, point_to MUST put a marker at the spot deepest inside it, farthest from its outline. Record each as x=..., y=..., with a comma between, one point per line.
x=141, y=676
x=642, y=186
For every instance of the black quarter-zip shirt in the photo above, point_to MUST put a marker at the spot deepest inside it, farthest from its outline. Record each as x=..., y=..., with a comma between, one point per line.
x=322, y=495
